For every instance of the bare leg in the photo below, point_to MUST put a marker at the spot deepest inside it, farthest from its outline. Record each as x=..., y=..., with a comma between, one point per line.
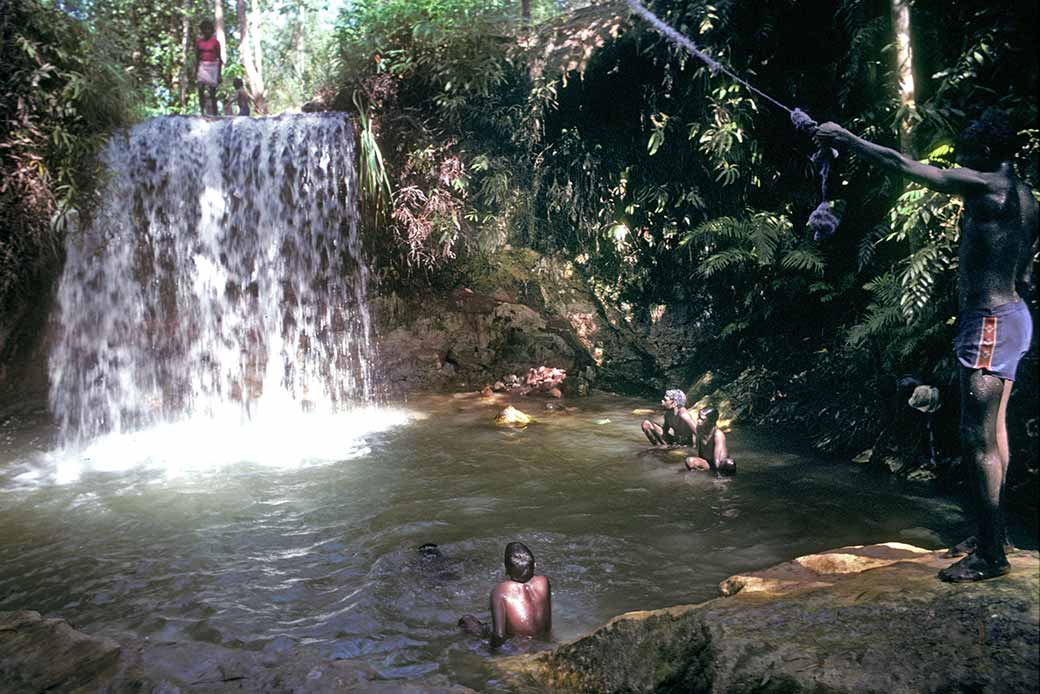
x=654, y=433
x=202, y=99
x=212, y=100
x=696, y=463
x=1002, y=436
x=968, y=545
x=981, y=398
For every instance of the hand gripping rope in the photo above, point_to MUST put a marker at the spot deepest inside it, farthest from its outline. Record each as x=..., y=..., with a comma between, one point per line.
x=823, y=222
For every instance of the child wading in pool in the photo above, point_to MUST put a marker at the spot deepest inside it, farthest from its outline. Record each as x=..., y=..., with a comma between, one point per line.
x=520, y=606
x=712, y=453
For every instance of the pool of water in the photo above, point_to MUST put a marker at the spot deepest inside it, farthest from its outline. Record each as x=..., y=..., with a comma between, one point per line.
x=306, y=531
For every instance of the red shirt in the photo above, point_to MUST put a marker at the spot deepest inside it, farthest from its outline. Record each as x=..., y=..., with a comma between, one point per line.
x=208, y=49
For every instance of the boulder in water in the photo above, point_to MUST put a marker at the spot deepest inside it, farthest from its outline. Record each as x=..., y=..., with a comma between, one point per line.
x=512, y=417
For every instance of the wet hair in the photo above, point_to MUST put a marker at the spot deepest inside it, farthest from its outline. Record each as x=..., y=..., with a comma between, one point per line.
x=727, y=468
x=676, y=396
x=711, y=414
x=237, y=82
x=429, y=550
x=519, y=562
x=990, y=136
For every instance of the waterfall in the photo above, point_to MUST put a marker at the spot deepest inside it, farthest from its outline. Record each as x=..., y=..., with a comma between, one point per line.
x=220, y=274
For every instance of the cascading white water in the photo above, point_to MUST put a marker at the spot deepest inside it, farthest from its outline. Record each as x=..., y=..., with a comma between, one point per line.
x=222, y=274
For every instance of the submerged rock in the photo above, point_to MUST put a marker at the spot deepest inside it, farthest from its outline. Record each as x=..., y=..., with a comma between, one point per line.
x=857, y=619
x=38, y=654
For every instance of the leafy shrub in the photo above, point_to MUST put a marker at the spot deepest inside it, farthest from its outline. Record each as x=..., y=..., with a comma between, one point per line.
x=60, y=95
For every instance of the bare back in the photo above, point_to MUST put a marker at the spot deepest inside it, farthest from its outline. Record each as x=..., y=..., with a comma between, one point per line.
x=713, y=446
x=998, y=230
x=521, y=609
x=681, y=424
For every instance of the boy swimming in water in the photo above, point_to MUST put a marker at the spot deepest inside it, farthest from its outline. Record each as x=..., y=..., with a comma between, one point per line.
x=520, y=606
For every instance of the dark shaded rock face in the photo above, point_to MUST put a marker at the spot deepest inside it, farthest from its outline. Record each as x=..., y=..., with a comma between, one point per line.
x=538, y=311
x=38, y=655
x=859, y=619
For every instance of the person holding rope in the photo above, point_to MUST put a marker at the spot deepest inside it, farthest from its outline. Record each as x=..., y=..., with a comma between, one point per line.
x=994, y=329
x=998, y=234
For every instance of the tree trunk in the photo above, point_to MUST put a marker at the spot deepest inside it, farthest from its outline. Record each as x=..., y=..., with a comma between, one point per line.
x=250, y=52
x=218, y=26
x=258, y=47
x=904, y=72
x=525, y=10
x=186, y=64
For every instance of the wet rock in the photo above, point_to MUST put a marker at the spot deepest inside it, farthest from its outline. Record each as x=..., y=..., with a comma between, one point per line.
x=923, y=535
x=857, y=619
x=39, y=655
x=513, y=417
x=892, y=463
x=922, y=475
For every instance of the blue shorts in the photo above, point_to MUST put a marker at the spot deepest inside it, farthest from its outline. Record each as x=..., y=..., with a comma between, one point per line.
x=994, y=339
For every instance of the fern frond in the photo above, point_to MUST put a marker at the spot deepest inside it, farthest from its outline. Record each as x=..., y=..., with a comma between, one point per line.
x=723, y=260
x=803, y=259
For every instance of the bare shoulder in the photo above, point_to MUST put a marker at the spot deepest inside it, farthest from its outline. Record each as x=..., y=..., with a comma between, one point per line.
x=540, y=584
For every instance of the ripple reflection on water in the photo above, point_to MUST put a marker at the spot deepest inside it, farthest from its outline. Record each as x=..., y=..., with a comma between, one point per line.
x=306, y=530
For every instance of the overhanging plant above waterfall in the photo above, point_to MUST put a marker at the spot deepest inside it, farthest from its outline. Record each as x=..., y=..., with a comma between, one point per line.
x=372, y=178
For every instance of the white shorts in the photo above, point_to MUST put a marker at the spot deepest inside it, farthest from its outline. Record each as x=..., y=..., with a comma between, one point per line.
x=208, y=72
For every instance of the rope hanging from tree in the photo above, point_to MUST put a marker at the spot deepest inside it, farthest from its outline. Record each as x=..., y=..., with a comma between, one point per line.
x=823, y=221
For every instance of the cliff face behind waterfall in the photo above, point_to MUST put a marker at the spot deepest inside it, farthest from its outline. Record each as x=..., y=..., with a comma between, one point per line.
x=222, y=271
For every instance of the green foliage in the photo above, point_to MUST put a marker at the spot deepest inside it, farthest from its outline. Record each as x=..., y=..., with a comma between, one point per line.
x=446, y=104
x=669, y=184
x=374, y=183
x=61, y=94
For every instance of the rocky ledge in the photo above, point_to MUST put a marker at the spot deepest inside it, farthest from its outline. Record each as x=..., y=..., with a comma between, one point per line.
x=856, y=619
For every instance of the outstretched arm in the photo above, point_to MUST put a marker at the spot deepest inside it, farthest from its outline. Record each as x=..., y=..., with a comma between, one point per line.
x=953, y=181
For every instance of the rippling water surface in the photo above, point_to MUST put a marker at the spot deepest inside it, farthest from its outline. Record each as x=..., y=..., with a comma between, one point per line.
x=305, y=530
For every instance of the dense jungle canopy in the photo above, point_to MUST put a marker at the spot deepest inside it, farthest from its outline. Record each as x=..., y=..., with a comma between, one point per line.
x=572, y=129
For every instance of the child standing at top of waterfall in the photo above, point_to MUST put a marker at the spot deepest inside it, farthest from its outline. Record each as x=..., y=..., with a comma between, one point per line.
x=242, y=98
x=208, y=64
